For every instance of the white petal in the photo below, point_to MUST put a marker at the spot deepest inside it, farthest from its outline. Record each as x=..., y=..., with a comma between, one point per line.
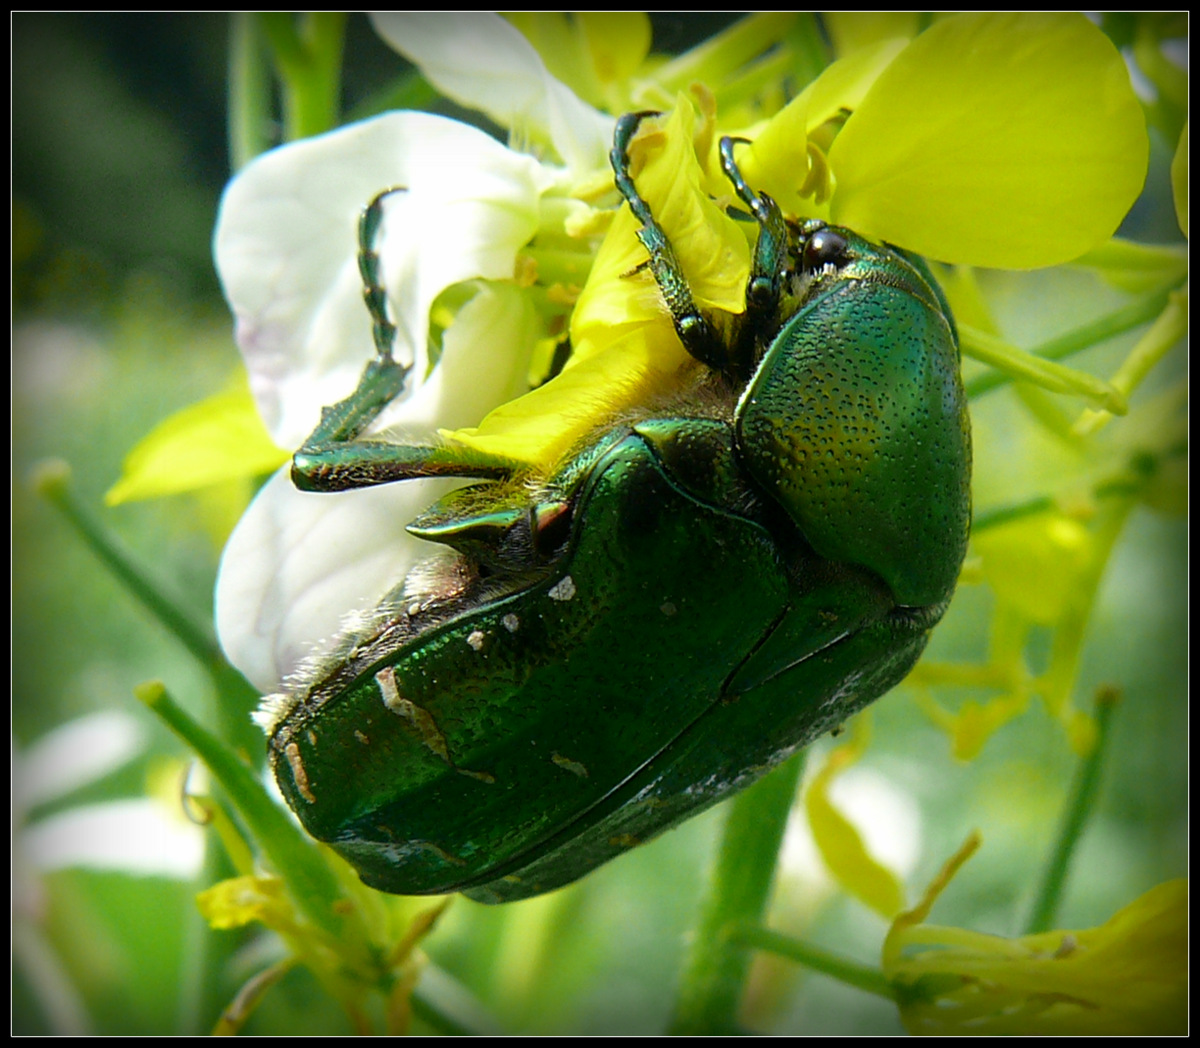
x=484, y=63
x=484, y=363
x=286, y=248
x=299, y=563
x=134, y=836
x=74, y=754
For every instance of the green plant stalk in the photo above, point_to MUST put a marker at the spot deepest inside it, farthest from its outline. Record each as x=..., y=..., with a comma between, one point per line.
x=1003, y=514
x=234, y=1015
x=872, y=980
x=714, y=972
x=1019, y=364
x=1079, y=809
x=1163, y=264
x=1141, y=311
x=809, y=52
x=249, y=92
x=433, y=1016
x=1168, y=328
x=52, y=480
x=206, y=954
x=312, y=884
x=308, y=61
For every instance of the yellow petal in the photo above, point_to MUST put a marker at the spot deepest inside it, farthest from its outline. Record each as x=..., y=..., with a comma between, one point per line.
x=840, y=844
x=618, y=42
x=778, y=162
x=624, y=348
x=1128, y=976
x=239, y=901
x=1035, y=563
x=851, y=31
x=221, y=438
x=541, y=427
x=711, y=249
x=1010, y=140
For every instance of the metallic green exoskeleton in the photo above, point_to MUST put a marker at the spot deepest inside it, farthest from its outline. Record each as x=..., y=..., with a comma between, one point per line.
x=682, y=604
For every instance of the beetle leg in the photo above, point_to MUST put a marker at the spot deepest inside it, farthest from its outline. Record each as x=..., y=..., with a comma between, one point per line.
x=374, y=293
x=771, y=262
x=693, y=327
x=333, y=459
x=363, y=464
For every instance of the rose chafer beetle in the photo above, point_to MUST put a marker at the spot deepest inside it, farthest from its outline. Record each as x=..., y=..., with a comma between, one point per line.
x=686, y=600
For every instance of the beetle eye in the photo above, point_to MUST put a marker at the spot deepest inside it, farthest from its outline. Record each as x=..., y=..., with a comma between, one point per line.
x=824, y=248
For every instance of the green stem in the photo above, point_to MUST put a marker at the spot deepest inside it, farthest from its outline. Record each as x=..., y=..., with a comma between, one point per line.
x=810, y=53
x=715, y=970
x=207, y=954
x=52, y=480
x=1029, y=367
x=408, y=91
x=312, y=884
x=1168, y=329
x=1003, y=514
x=1139, y=312
x=249, y=93
x=1079, y=808
x=872, y=980
x=433, y=1016
x=308, y=59
x=1159, y=265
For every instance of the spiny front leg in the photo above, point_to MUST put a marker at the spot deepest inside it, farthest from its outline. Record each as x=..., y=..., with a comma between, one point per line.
x=770, y=266
x=693, y=327
x=333, y=458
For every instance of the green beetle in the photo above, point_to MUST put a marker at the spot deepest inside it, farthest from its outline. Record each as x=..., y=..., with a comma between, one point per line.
x=685, y=602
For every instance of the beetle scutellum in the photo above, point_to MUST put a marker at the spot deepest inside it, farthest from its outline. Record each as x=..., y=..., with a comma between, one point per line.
x=689, y=597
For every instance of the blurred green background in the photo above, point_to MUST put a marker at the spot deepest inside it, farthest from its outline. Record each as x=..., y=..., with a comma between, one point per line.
x=119, y=158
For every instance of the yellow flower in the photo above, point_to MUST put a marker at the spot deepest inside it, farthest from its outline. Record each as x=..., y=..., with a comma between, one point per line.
x=994, y=140
x=1129, y=976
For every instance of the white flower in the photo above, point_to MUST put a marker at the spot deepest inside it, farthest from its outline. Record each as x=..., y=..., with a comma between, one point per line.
x=286, y=250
